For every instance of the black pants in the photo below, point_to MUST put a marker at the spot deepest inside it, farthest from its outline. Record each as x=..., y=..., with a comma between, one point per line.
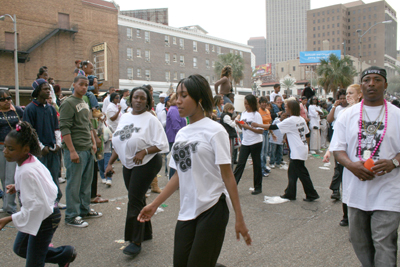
x=297, y=170
x=137, y=181
x=245, y=151
x=337, y=177
x=93, y=193
x=198, y=242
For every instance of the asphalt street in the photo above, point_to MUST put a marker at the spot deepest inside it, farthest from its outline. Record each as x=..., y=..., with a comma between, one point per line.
x=295, y=233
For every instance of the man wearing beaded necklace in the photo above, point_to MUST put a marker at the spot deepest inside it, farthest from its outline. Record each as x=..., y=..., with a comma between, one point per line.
x=369, y=131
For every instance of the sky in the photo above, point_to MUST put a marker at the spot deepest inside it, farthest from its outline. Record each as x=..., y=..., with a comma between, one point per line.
x=234, y=20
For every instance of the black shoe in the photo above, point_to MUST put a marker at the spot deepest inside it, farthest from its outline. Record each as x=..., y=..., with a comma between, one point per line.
x=310, y=199
x=132, y=250
x=335, y=195
x=73, y=256
x=256, y=192
x=219, y=265
x=285, y=197
x=344, y=222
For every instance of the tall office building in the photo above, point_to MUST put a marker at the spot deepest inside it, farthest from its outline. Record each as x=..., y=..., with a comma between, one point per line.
x=286, y=29
x=342, y=24
x=259, y=49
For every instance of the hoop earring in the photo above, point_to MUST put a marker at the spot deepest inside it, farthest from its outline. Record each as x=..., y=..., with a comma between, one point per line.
x=148, y=107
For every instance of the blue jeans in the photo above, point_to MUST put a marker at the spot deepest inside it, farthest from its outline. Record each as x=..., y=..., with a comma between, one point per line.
x=276, y=153
x=7, y=172
x=103, y=165
x=79, y=180
x=36, y=250
x=92, y=99
x=227, y=100
x=52, y=162
x=374, y=236
x=264, y=150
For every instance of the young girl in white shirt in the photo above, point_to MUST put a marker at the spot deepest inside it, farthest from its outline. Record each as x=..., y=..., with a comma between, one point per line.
x=201, y=156
x=295, y=128
x=38, y=218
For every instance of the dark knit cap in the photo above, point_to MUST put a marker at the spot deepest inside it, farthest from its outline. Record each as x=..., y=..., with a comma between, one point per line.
x=36, y=86
x=374, y=70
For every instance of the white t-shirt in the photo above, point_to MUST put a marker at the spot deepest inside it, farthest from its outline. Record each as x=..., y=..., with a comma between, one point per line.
x=250, y=137
x=381, y=193
x=313, y=114
x=106, y=102
x=123, y=105
x=279, y=135
x=198, y=151
x=37, y=193
x=295, y=128
x=135, y=133
x=336, y=113
x=162, y=117
x=159, y=108
x=112, y=109
x=273, y=95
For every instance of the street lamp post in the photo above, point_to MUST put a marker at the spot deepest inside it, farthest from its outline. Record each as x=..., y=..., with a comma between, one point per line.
x=14, y=19
x=359, y=31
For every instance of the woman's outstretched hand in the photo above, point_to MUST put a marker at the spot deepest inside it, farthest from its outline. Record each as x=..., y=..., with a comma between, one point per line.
x=146, y=213
x=241, y=229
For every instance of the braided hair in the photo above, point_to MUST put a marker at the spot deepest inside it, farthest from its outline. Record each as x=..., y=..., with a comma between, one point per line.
x=24, y=134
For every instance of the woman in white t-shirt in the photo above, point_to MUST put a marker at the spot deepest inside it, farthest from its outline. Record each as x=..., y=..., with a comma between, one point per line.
x=201, y=156
x=295, y=128
x=251, y=143
x=314, y=112
x=138, y=141
x=113, y=112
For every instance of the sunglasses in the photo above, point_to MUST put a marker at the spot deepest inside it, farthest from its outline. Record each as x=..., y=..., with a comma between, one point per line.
x=2, y=99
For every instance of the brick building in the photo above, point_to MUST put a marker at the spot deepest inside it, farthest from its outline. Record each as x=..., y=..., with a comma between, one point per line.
x=55, y=34
x=338, y=24
x=161, y=55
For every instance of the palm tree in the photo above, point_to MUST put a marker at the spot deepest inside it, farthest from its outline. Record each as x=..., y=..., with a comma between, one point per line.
x=335, y=73
x=289, y=83
x=237, y=64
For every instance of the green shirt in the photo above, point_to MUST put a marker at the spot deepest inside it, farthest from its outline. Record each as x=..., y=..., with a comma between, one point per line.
x=74, y=120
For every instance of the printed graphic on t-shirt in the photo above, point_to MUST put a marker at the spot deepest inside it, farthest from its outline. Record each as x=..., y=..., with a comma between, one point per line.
x=182, y=152
x=82, y=106
x=301, y=127
x=248, y=123
x=371, y=133
x=126, y=132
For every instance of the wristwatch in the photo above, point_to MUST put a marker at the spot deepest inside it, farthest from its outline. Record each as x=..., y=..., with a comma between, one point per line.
x=395, y=163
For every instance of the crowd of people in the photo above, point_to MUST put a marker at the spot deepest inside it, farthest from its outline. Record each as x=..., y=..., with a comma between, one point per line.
x=208, y=144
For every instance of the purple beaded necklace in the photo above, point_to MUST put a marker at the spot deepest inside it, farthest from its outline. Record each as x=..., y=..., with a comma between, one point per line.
x=360, y=129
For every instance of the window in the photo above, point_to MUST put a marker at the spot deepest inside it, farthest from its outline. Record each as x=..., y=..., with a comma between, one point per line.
x=294, y=68
x=213, y=48
x=207, y=48
x=167, y=76
x=182, y=61
x=195, y=62
x=167, y=58
x=175, y=75
x=313, y=28
x=147, y=37
x=182, y=75
x=129, y=33
x=181, y=43
x=137, y=33
x=314, y=36
x=195, y=46
x=241, y=53
x=129, y=55
x=174, y=40
x=218, y=50
x=147, y=55
x=129, y=73
x=148, y=74
x=282, y=69
x=139, y=52
x=213, y=64
x=139, y=73
x=63, y=21
x=174, y=58
x=166, y=40
x=314, y=42
x=207, y=63
x=241, y=83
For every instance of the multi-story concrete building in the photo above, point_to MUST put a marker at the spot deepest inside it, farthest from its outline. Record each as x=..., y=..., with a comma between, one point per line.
x=342, y=25
x=158, y=15
x=259, y=49
x=286, y=29
x=162, y=55
x=56, y=36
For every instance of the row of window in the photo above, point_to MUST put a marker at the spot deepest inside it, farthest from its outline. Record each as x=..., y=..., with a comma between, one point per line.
x=327, y=19
x=338, y=10
x=208, y=48
x=327, y=26
x=129, y=56
x=327, y=33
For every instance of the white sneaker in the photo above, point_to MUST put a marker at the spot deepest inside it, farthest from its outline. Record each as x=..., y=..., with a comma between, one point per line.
x=61, y=206
x=272, y=166
x=284, y=167
x=312, y=152
x=1, y=210
x=61, y=180
x=103, y=181
x=78, y=222
x=109, y=182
